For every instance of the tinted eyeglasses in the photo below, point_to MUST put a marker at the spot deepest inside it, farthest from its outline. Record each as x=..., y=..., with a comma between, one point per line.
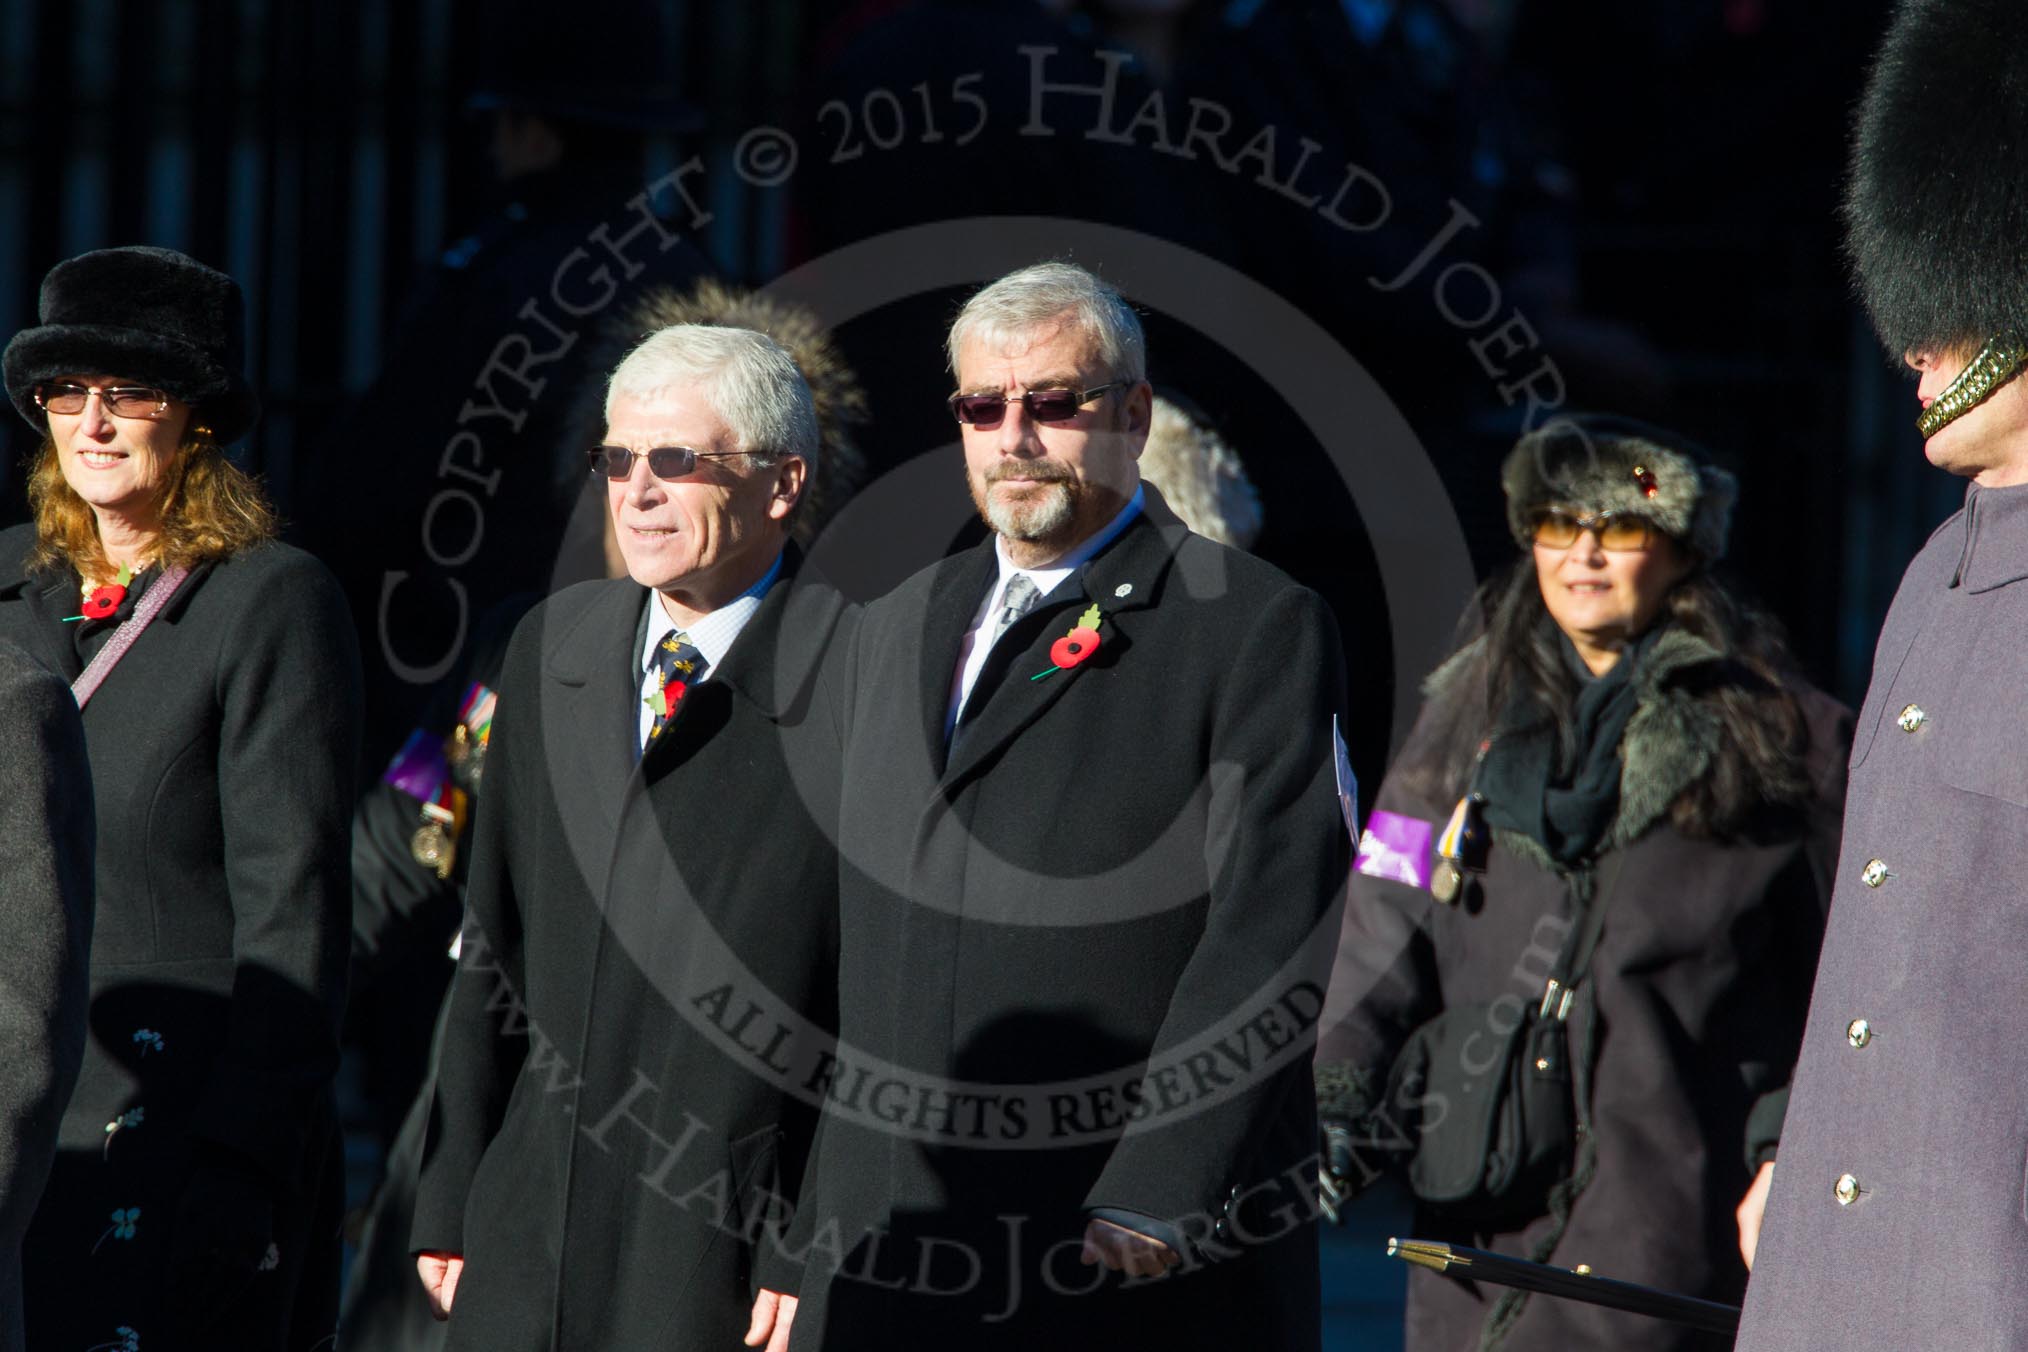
x=1617, y=531
x=983, y=410
x=123, y=401
x=664, y=462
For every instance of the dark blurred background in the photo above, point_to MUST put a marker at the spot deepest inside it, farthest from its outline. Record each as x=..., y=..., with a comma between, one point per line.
x=396, y=182
x=442, y=209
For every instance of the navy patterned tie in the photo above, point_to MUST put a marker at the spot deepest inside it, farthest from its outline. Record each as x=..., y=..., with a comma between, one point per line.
x=677, y=665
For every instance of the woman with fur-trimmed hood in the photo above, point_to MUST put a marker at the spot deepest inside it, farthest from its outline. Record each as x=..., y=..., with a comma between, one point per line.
x=1620, y=741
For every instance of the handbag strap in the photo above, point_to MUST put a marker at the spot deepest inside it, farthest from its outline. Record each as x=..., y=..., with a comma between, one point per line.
x=1574, y=962
x=145, y=611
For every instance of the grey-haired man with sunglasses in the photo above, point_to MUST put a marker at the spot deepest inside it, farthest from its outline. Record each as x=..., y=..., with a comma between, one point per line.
x=1091, y=825
x=649, y=932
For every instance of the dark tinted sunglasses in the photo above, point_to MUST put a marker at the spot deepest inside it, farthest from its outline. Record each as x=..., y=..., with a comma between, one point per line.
x=1617, y=531
x=664, y=462
x=983, y=410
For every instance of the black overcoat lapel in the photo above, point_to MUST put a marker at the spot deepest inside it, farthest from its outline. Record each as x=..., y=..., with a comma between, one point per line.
x=1125, y=577
x=770, y=666
x=589, y=723
x=954, y=599
x=53, y=644
x=50, y=600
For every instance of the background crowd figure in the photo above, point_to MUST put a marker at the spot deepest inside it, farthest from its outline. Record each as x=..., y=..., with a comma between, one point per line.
x=1651, y=698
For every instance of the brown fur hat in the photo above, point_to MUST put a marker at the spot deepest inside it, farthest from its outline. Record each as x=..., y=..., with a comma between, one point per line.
x=1600, y=463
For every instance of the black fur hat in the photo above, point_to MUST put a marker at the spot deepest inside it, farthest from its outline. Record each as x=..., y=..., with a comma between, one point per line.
x=1937, y=207
x=1599, y=463
x=143, y=314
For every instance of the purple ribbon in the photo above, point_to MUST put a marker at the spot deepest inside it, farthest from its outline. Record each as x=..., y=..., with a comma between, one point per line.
x=1396, y=847
x=419, y=768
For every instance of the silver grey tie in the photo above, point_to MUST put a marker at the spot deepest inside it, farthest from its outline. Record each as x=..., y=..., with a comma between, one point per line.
x=1019, y=598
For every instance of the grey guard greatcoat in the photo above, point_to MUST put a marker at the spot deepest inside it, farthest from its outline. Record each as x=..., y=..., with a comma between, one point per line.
x=1130, y=854
x=222, y=753
x=1700, y=982
x=1898, y=1217
x=607, y=1136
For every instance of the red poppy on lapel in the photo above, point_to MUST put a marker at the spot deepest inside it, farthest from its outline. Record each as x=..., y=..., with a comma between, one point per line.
x=668, y=697
x=1074, y=647
x=103, y=601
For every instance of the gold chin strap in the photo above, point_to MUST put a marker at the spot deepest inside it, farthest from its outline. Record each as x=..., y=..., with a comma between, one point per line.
x=1998, y=362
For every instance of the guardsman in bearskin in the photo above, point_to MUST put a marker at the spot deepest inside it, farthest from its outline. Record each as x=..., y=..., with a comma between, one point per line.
x=1896, y=1218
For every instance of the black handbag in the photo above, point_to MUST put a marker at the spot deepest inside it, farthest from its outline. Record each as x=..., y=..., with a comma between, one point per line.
x=1480, y=1097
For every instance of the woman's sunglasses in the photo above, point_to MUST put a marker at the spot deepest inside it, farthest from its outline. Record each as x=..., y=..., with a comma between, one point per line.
x=664, y=462
x=984, y=410
x=123, y=401
x=1617, y=531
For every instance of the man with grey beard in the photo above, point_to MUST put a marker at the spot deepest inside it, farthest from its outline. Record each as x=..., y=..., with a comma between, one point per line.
x=1092, y=823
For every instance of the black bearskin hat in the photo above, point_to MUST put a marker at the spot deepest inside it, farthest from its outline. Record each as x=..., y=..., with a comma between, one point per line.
x=1601, y=463
x=149, y=315
x=1937, y=206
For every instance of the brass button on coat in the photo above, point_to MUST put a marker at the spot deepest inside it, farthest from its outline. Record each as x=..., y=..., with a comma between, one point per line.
x=1847, y=1191
x=1858, y=1032
x=1912, y=718
x=1874, y=874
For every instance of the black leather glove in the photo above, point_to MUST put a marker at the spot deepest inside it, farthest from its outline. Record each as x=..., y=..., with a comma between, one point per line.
x=1340, y=1176
x=224, y=1231
x=1345, y=1099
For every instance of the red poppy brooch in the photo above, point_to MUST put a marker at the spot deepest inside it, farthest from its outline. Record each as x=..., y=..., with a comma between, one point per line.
x=101, y=602
x=1074, y=647
x=665, y=700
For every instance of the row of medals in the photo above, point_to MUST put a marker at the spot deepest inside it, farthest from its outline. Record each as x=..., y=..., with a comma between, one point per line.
x=435, y=842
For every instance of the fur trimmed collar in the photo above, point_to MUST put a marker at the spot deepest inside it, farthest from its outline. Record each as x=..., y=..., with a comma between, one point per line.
x=1669, y=745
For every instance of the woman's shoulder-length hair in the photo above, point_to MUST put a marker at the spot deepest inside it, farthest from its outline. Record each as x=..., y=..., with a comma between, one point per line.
x=211, y=510
x=1510, y=654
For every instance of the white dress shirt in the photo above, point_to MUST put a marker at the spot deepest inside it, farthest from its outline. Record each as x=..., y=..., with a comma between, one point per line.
x=712, y=636
x=979, y=640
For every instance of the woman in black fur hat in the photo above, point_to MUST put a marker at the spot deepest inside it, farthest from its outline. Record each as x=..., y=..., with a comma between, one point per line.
x=195, y=1201
x=1621, y=743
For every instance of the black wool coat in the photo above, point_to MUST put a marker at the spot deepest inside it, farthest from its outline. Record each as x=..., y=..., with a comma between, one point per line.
x=46, y=915
x=1700, y=983
x=609, y=1129
x=222, y=753
x=1078, y=960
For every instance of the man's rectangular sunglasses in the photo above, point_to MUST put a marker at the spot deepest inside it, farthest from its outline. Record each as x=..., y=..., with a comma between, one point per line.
x=124, y=401
x=664, y=462
x=1618, y=531
x=984, y=410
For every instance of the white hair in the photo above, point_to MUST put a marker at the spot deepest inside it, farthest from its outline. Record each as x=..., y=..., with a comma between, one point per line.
x=748, y=378
x=1200, y=476
x=1050, y=294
